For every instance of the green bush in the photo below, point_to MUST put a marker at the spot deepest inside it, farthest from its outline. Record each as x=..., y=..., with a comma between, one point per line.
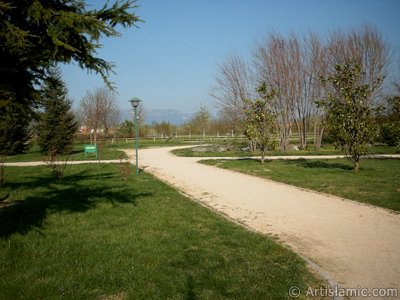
x=389, y=133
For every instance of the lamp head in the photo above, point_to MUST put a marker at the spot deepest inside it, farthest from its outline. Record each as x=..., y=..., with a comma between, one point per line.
x=135, y=102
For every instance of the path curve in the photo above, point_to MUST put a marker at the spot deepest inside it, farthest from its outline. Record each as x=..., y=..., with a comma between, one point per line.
x=358, y=244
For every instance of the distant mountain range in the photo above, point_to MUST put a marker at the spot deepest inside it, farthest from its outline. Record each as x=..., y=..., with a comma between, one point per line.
x=172, y=116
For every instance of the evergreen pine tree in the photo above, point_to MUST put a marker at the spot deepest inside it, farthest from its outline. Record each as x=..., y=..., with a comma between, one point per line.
x=14, y=133
x=57, y=125
x=34, y=35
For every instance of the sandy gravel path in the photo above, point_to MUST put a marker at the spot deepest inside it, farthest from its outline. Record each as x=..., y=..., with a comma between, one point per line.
x=356, y=244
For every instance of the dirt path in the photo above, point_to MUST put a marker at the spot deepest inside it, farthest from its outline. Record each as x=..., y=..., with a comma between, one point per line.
x=358, y=245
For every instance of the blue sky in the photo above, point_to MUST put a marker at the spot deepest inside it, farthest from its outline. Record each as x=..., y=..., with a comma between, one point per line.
x=170, y=60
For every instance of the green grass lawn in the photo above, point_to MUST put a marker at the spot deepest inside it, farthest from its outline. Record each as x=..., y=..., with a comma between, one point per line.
x=94, y=236
x=107, y=150
x=149, y=143
x=377, y=182
x=327, y=150
x=110, y=150
x=34, y=154
x=188, y=152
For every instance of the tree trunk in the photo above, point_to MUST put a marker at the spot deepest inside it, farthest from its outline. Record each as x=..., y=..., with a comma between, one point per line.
x=253, y=146
x=302, y=130
x=318, y=133
x=2, y=172
x=356, y=165
x=262, y=156
x=284, y=134
x=319, y=136
x=304, y=133
x=298, y=125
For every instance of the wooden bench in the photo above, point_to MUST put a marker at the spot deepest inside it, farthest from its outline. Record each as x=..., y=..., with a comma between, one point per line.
x=90, y=149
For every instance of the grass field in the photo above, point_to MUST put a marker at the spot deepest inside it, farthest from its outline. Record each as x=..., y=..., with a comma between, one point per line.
x=377, y=182
x=111, y=150
x=188, y=152
x=106, y=150
x=94, y=236
x=34, y=154
x=327, y=150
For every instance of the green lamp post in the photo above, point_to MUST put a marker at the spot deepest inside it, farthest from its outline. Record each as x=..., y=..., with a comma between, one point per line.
x=135, y=103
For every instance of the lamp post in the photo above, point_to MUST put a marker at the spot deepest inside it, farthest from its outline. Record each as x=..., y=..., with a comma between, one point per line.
x=135, y=103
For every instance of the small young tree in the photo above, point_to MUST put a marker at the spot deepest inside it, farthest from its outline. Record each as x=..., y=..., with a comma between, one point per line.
x=126, y=129
x=201, y=121
x=260, y=121
x=57, y=125
x=164, y=129
x=349, y=113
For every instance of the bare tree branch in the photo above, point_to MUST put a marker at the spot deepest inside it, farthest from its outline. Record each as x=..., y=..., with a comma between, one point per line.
x=99, y=110
x=232, y=87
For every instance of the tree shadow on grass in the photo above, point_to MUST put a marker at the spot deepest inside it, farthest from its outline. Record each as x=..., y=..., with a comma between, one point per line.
x=191, y=295
x=75, y=193
x=319, y=164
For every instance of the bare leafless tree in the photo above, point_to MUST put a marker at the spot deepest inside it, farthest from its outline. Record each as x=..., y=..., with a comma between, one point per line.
x=232, y=87
x=363, y=46
x=99, y=110
x=273, y=68
x=293, y=67
x=110, y=113
x=315, y=67
x=299, y=101
x=90, y=113
x=200, y=122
